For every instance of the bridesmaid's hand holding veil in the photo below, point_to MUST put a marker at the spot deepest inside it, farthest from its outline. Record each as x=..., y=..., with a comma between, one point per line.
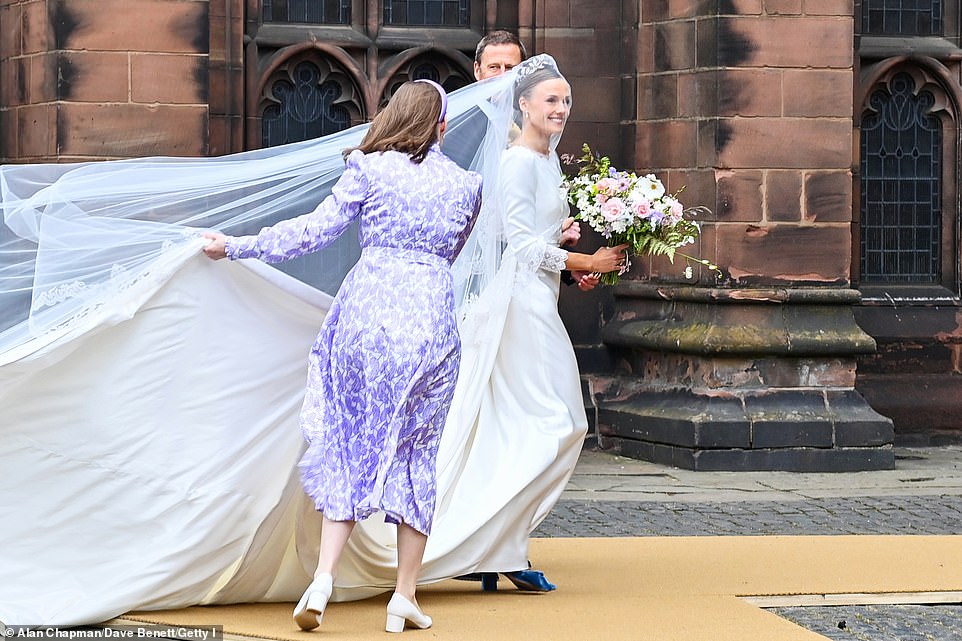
x=217, y=247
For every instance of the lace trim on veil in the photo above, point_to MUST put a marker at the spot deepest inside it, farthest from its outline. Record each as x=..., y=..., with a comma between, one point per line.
x=120, y=296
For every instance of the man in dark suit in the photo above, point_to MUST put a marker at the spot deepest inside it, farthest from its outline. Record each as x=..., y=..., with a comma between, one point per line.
x=497, y=53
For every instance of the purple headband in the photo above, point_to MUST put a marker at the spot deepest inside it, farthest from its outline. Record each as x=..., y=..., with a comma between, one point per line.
x=444, y=97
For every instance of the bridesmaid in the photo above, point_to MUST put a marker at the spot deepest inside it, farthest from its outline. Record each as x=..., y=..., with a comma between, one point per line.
x=383, y=368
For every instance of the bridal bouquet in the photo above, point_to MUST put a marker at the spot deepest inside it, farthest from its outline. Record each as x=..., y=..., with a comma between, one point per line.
x=630, y=209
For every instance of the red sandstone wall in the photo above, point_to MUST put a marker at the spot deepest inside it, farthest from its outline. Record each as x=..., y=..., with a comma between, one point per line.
x=588, y=40
x=746, y=103
x=79, y=83
x=751, y=109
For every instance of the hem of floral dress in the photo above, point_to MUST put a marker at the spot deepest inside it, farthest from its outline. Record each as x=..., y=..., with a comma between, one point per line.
x=362, y=513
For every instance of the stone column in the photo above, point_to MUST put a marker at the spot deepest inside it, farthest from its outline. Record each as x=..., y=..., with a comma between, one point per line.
x=741, y=379
x=98, y=79
x=748, y=104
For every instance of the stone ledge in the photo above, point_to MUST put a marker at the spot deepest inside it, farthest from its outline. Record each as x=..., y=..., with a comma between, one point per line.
x=790, y=430
x=737, y=322
x=797, y=459
x=739, y=295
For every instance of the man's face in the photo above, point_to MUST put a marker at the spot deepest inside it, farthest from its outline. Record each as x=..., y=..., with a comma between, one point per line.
x=496, y=60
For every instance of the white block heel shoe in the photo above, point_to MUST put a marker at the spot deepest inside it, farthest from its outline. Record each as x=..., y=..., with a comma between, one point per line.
x=400, y=611
x=310, y=609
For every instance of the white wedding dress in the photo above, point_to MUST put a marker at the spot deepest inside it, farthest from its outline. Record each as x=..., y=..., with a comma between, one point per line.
x=149, y=396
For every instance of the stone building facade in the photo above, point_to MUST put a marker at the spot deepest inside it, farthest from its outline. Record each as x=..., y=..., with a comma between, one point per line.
x=821, y=134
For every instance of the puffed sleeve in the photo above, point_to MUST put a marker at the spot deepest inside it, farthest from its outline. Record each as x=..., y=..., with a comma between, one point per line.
x=308, y=233
x=530, y=246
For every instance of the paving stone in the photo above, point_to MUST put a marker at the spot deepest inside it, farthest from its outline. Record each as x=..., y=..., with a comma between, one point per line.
x=653, y=500
x=937, y=514
x=880, y=623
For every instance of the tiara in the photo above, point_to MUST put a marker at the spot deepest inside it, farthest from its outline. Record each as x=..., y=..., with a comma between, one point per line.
x=531, y=65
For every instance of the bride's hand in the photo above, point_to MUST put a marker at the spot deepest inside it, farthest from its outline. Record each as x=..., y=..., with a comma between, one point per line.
x=217, y=247
x=570, y=232
x=609, y=259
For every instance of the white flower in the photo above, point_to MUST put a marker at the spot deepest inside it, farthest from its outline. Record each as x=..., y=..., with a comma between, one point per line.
x=651, y=187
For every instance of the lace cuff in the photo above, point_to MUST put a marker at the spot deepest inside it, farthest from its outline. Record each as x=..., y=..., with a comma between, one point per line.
x=554, y=259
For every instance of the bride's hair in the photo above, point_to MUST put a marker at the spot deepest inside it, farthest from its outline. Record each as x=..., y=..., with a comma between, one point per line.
x=409, y=122
x=534, y=73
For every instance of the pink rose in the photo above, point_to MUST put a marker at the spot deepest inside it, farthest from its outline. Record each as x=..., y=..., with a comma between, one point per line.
x=607, y=186
x=613, y=209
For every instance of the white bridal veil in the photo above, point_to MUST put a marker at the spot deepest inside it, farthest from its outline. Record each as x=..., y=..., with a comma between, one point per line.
x=149, y=396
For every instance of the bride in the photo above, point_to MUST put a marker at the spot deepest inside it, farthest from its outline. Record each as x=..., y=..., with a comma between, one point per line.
x=149, y=395
x=517, y=422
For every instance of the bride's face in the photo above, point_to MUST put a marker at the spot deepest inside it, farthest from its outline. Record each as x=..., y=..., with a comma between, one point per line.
x=548, y=106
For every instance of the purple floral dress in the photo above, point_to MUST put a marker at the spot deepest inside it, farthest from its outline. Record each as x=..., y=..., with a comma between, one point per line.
x=383, y=368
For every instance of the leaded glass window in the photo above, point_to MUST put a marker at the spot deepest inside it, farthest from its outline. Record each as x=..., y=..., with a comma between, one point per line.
x=901, y=190
x=902, y=17
x=308, y=11
x=425, y=71
x=303, y=106
x=431, y=13
x=436, y=68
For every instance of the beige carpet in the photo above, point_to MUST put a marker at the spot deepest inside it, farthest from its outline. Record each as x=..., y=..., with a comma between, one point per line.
x=643, y=589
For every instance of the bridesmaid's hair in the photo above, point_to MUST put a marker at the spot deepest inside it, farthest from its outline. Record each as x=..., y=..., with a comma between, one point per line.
x=409, y=122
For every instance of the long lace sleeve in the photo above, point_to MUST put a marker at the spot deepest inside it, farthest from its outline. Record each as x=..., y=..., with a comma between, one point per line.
x=529, y=245
x=308, y=233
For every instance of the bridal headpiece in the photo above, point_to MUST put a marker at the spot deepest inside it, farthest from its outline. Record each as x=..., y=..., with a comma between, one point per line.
x=531, y=65
x=528, y=74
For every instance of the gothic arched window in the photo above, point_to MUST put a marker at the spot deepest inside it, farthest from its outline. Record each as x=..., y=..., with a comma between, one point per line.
x=906, y=236
x=436, y=68
x=307, y=99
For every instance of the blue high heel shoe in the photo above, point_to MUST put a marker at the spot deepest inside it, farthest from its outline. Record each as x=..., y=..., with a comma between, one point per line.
x=488, y=580
x=526, y=580
x=530, y=581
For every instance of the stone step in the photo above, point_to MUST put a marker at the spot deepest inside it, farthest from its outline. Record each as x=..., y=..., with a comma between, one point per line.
x=794, y=430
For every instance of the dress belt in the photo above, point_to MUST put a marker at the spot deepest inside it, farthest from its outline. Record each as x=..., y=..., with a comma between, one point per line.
x=409, y=255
